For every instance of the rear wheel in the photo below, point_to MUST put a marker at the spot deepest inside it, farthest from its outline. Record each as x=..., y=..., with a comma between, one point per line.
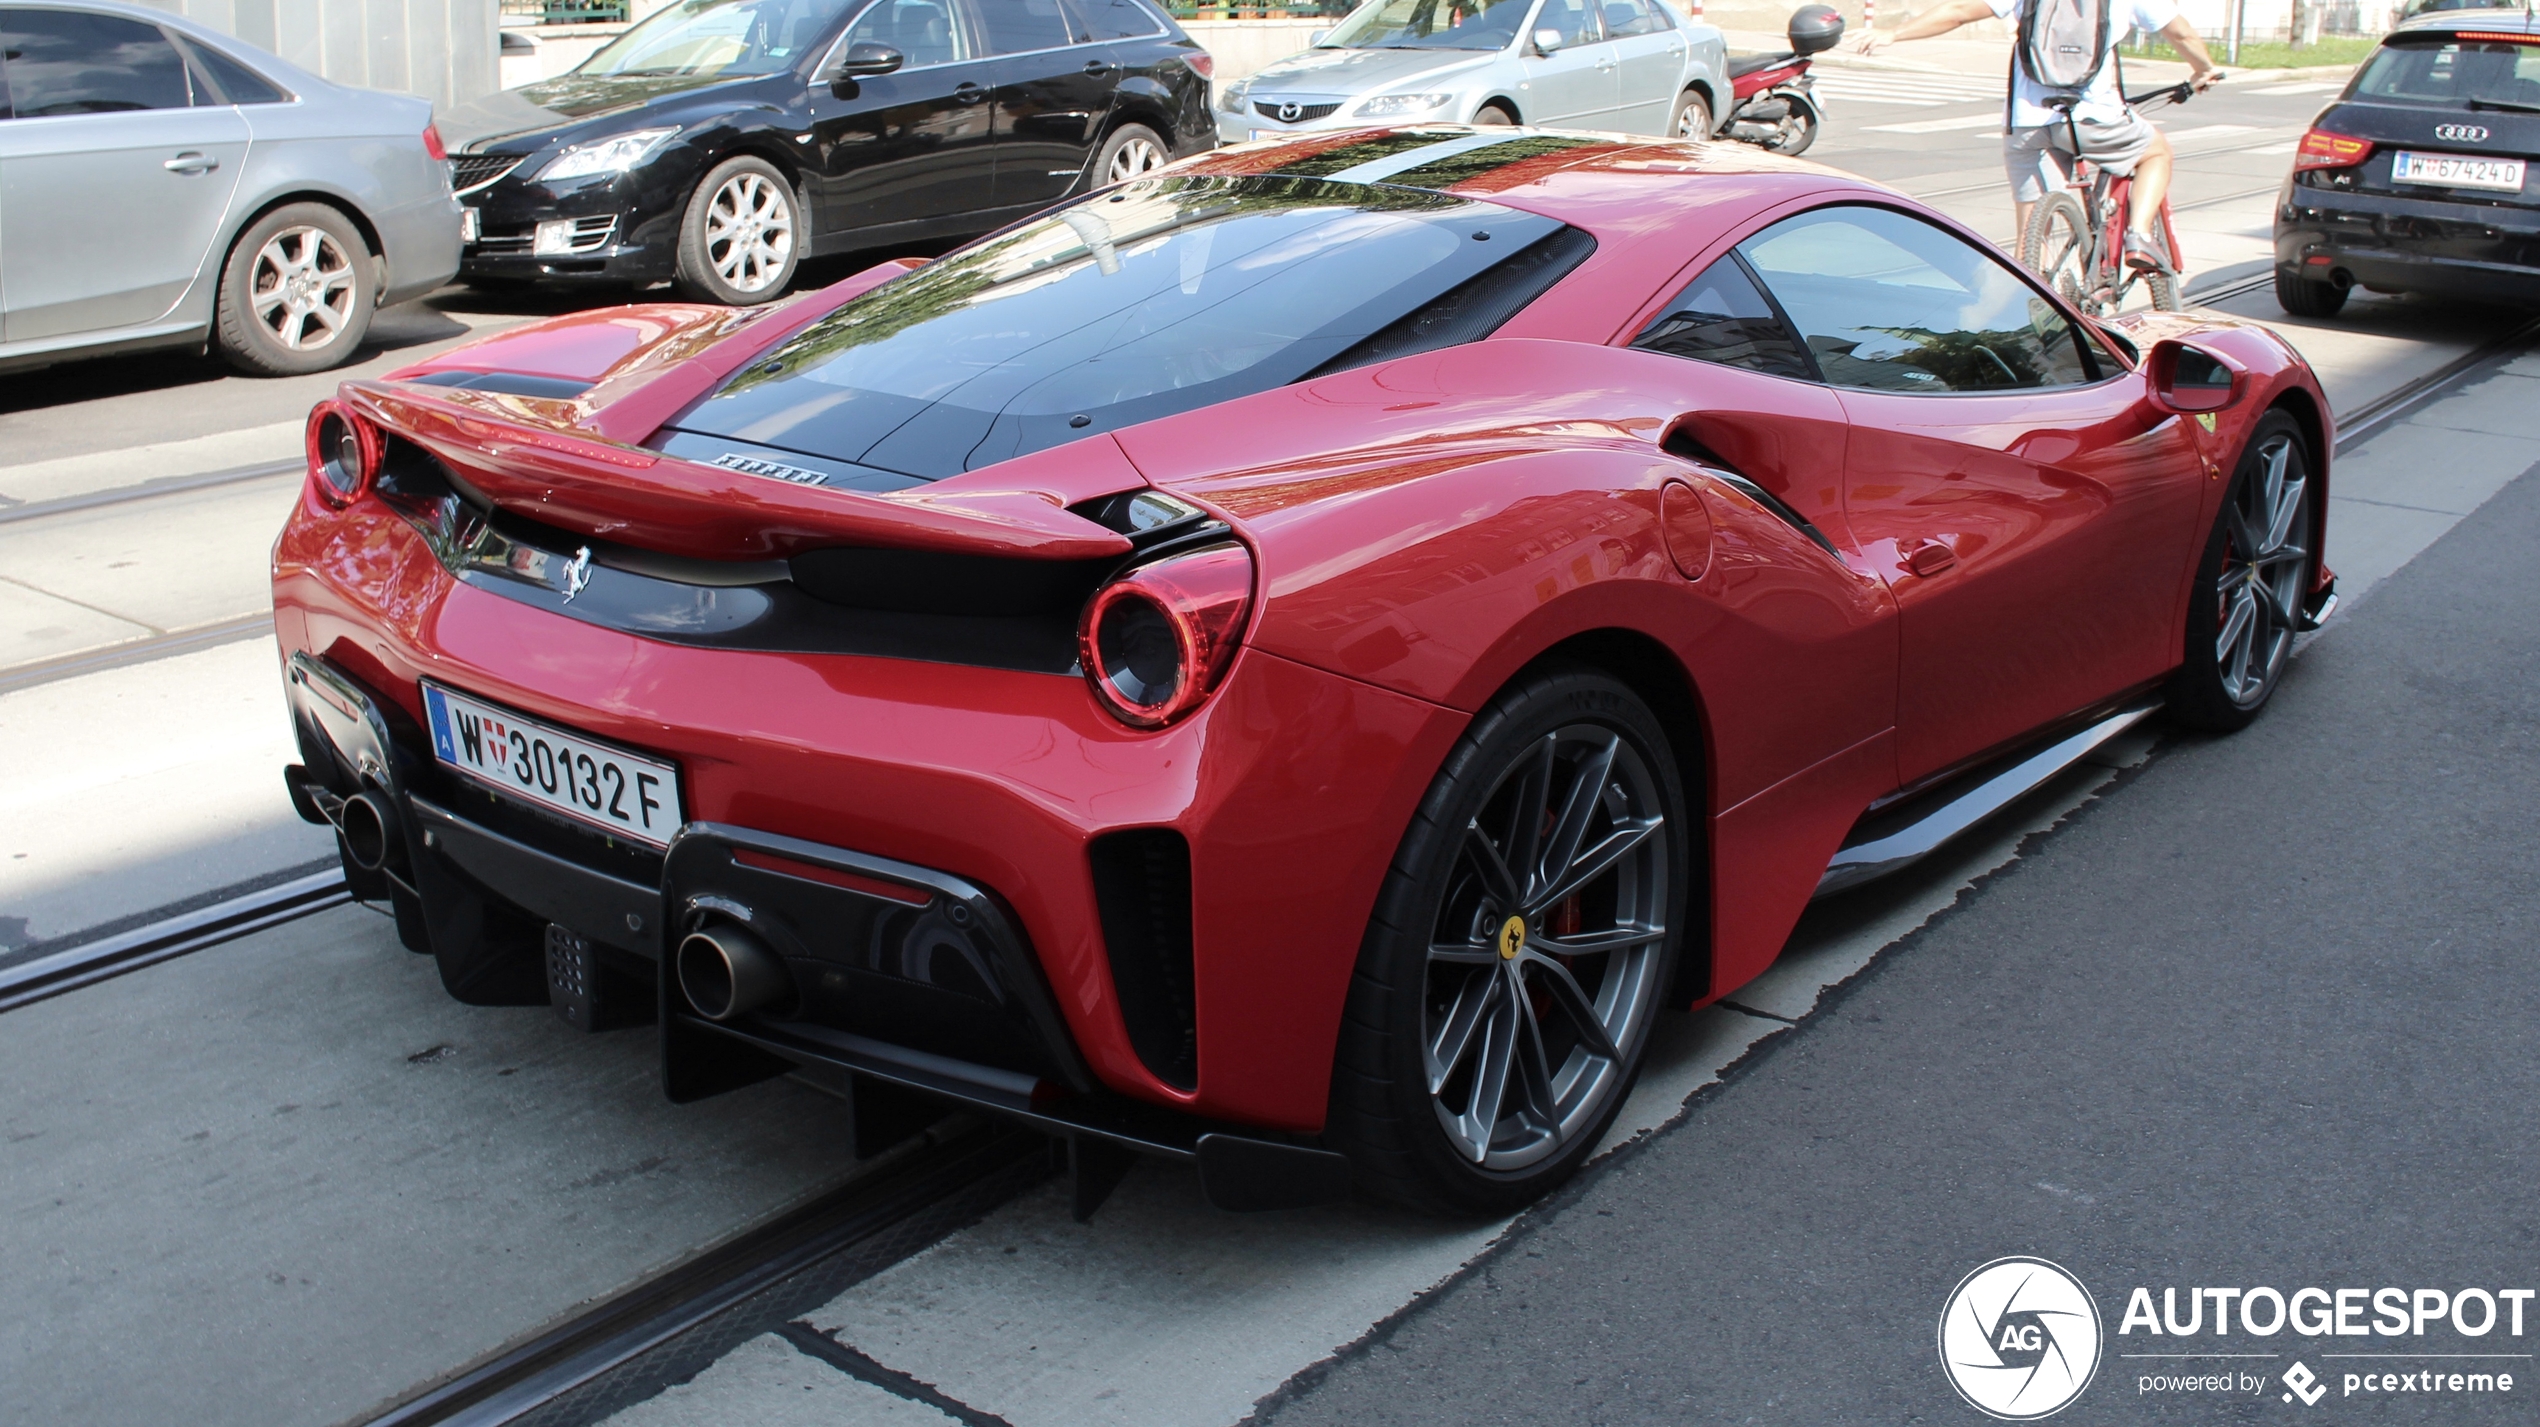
x=740, y=240
x=1522, y=942
x=2246, y=604
x=296, y=292
x=1132, y=149
x=1692, y=119
x=2160, y=285
x=2301, y=297
x=1798, y=128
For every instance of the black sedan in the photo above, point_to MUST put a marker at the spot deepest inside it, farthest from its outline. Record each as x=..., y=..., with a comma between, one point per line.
x=2418, y=178
x=720, y=142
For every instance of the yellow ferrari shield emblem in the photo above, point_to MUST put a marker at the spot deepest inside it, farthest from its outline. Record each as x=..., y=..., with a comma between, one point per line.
x=2205, y=419
x=1512, y=938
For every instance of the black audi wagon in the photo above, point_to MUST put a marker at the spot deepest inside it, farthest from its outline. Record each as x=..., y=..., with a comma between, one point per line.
x=720, y=142
x=2419, y=177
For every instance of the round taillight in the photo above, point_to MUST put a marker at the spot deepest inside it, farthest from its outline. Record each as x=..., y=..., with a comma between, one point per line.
x=1156, y=640
x=343, y=452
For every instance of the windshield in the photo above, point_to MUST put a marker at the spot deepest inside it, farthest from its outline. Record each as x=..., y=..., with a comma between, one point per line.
x=2437, y=70
x=719, y=37
x=1430, y=25
x=1163, y=296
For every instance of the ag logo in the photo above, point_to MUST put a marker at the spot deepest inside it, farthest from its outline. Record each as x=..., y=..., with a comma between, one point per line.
x=2461, y=133
x=2019, y=1339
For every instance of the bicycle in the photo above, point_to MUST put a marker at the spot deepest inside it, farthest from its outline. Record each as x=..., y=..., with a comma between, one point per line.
x=2086, y=238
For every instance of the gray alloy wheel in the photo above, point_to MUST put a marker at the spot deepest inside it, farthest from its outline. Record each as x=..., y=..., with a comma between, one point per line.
x=1520, y=949
x=1692, y=119
x=1492, y=116
x=1561, y=877
x=2246, y=605
x=2267, y=529
x=739, y=242
x=1132, y=150
x=296, y=292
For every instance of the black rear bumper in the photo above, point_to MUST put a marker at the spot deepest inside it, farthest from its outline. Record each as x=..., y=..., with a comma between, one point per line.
x=2487, y=252
x=913, y=987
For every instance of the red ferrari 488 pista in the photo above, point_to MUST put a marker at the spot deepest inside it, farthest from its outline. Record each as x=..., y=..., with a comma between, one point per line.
x=1290, y=662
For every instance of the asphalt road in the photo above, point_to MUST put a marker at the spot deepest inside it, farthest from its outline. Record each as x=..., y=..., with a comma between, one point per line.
x=2262, y=1017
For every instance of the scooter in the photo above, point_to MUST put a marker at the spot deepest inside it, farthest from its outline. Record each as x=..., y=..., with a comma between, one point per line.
x=1775, y=105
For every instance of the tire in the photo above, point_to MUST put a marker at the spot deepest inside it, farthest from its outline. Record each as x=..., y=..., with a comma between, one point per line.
x=1797, y=132
x=2164, y=290
x=741, y=238
x=2056, y=247
x=1454, y=943
x=2162, y=285
x=2301, y=297
x=1691, y=119
x=1495, y=116
x=1132, y=149
x=2242, y=613
x=296, y=292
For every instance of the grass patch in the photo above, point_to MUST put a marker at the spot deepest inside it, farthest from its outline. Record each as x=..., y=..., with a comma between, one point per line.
x=2330, y=49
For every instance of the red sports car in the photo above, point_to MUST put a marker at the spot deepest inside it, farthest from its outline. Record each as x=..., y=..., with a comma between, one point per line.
x=1289, y=662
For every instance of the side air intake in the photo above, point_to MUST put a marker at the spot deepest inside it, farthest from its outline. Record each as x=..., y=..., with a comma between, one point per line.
x=1142, y=880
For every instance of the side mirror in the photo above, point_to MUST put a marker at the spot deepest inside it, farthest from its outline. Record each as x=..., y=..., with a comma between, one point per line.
x=866, y=59
x=1547, y=40
x=2191, y=380
x=1316, y=38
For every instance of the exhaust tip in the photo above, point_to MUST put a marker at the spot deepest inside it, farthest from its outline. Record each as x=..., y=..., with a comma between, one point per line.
x=726, y=972
x=365, y=823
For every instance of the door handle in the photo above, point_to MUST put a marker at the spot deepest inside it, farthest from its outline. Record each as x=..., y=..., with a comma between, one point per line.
x=1095, y=66
x=968, y=93
x=1930, y=558
x=190, y=162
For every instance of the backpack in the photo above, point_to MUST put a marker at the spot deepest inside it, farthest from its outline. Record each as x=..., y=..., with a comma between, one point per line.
x=2063, y=44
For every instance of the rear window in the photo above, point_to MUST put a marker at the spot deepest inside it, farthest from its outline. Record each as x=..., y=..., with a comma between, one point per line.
x=2441, y=70
x=1163, y=296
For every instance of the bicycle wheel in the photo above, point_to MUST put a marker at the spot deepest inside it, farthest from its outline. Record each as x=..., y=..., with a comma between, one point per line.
x=2059, y=247
x=2160, y=287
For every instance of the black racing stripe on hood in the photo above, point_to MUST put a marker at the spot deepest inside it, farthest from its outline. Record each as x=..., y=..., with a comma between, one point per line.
x=1477, y=163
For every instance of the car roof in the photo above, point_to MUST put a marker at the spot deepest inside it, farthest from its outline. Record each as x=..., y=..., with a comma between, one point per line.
x=2515, y=21
x=1612, y=185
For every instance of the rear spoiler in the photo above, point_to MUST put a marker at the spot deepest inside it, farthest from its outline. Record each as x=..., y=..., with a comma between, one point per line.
x=633, y=496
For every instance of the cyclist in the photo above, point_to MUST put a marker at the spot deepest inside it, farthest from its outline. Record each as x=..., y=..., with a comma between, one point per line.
x=2112, y=135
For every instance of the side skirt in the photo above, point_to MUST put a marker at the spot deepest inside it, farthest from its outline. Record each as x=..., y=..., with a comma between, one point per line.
x=1894, y=839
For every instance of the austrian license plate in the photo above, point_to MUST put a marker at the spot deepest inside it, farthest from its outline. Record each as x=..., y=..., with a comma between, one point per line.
x=2457, y=171
x=635, y=797
x=468, y=225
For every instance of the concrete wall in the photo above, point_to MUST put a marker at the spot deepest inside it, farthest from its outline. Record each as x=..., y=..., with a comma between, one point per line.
x=443, y=50
x=1243, y=48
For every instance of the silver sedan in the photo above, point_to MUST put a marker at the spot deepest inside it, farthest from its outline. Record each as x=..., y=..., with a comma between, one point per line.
x=1628, y=65
x=167, y=186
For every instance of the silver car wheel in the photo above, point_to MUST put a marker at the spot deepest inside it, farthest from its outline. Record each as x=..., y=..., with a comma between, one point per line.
x=1543, y=971
x=1139, y=155
x=749, y=232
x=301, y=288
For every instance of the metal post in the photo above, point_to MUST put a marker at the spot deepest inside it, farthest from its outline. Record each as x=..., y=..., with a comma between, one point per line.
x=2239, y=12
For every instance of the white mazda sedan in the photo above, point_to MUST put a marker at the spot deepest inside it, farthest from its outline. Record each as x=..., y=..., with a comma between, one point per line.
x=1633, y=66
